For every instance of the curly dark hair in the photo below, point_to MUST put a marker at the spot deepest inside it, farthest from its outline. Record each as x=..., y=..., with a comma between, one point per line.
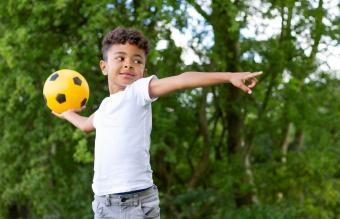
x=121, y=35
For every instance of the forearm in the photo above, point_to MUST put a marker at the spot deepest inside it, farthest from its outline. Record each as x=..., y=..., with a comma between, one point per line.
x=81, y=122
x=186, y=80
x=201, y=79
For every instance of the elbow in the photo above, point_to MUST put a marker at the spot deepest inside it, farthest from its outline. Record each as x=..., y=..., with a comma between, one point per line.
x=182, y=82
x=83, y=129
x=87, y=126
x=86, y=129
x=186, y=81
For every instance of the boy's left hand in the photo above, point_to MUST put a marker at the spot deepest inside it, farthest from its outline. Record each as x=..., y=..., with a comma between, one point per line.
x=246, y=81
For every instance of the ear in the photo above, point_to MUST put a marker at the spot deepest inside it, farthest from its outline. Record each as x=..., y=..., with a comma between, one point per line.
x=145, y=72
x=102, y=65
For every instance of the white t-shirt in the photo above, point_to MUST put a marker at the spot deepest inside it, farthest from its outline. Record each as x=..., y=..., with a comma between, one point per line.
x=123, y=126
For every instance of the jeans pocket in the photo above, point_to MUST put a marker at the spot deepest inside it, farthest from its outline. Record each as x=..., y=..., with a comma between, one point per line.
x=151, y=212
x=98, y=208
x=150, y=206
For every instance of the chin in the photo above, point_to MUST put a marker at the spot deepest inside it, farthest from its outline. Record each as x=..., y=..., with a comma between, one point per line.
x=126, y=83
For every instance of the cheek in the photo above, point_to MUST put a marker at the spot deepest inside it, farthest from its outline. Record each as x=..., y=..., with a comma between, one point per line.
x=142, y=70
x=111, y=65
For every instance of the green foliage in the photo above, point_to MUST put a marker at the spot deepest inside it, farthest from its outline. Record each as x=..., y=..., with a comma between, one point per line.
x=286, y=161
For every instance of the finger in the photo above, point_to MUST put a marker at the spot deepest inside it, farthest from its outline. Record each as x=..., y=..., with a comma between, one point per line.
x=245, y=88
x=253, y=83
x=79, y=109
x=258, y=72
x=56, y=114
x=253, y=75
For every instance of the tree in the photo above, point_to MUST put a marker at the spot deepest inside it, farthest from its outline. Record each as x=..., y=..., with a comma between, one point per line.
x=216, y=152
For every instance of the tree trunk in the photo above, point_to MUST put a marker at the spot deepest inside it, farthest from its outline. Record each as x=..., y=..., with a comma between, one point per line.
x=200, y=170
x=17, y=212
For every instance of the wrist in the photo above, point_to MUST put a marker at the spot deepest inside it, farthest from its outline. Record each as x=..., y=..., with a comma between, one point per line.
x=228, y=77
x=67, y=114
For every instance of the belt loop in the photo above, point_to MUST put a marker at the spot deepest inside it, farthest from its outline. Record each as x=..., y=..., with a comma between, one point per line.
x=136, y=200
x=107, y=201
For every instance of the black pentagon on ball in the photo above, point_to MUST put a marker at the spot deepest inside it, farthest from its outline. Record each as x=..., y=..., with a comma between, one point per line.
x=61, y=98
x=77, y=81
x=83, y=102
x=54, y=77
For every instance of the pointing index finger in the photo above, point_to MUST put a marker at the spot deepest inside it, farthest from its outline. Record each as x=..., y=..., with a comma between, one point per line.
x=254, y=74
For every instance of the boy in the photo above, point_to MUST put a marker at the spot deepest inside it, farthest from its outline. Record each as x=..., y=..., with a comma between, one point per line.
x=122, y=182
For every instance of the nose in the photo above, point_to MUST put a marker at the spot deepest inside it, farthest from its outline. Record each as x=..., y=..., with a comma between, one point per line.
x=128, y=64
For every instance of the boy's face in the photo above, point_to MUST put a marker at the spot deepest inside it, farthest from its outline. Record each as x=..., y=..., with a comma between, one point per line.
x=125, y=64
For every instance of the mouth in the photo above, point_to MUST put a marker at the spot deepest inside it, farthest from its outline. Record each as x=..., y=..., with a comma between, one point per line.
x=127, y=74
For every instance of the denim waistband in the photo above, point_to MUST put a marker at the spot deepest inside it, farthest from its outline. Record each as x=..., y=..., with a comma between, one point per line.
x=136, y=193
x=126, y=199
x=131, y=192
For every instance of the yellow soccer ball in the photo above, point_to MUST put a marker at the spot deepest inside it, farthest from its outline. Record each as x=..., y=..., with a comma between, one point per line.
x=65, y=89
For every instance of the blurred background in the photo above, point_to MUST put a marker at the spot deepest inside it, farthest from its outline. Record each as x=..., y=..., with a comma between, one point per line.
x=216, y=152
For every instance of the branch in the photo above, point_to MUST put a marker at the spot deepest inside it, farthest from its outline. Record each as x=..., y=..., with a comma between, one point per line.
x=199, y=9
x=318, y=33
x=287, y=140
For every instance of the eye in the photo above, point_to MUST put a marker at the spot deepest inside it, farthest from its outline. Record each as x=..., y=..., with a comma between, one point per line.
x=137, y=61
x=119, y=58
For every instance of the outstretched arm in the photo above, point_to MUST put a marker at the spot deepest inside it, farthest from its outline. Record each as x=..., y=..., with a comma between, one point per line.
x=243, y=80
x=84, y=123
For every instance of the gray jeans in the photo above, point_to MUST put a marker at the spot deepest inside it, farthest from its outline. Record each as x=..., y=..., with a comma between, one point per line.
x=137, y=205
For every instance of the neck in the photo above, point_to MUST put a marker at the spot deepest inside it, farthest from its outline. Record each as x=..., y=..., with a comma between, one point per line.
x=113, y=88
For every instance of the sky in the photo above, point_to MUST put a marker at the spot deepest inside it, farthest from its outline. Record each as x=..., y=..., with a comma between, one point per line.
x=261, y=29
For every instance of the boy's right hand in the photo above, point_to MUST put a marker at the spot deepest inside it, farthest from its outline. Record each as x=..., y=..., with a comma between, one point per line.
x=246, y=81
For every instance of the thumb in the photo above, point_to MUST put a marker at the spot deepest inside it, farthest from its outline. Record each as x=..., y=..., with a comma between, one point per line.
x=59, y=115
x=245, y=88
x=56, y=114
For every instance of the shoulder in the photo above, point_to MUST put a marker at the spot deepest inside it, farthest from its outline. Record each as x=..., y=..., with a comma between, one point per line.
x=143, y=82
x=140, y=89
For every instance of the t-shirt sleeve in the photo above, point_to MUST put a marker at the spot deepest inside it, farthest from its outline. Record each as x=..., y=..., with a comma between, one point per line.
x=140, y=88
x=95, y=119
